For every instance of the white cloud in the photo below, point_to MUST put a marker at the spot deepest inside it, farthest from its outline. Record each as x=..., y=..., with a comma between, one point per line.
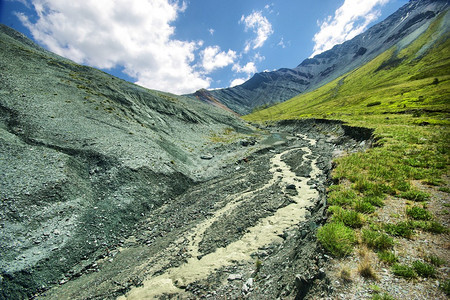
x=211, y=31
x=269, y=7
x=213, y=58
x=137, y=35
x=249, y=68
x=238, y=81
x=259, y=25
x=349, y=20
x=258, y=57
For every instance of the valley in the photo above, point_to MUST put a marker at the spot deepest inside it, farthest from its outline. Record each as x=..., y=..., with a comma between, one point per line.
x=113, y=191
x=227, y=236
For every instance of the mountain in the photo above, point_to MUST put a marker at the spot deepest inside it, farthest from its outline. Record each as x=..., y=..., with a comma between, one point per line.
x=84, y=156
x=412, y=76
x=268, y=88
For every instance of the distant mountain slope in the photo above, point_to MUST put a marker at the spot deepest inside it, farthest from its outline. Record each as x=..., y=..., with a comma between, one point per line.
x=83, y=157
x=283, y=84
x=413, y=76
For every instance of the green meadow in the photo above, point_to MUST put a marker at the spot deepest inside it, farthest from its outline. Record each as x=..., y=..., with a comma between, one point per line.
x=404, y=95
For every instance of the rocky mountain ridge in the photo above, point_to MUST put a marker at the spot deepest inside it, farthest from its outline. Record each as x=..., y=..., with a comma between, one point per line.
x=267, y=88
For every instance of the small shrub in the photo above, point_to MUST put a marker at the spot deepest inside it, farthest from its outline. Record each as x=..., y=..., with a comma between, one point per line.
x=387, y=257
x=403, y=271
x=424, y=269
x=403, y=229
x=435, y=260
x=377, y=240
x=336, y=238
x=418, y=213
x=364, y=207
x=414, y=195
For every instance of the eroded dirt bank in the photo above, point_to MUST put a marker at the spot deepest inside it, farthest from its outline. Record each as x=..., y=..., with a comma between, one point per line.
x=248, y=232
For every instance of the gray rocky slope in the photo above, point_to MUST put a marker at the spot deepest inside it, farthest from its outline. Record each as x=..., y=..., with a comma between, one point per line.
x=107, y=188
x=82, y=151
x=283, y=84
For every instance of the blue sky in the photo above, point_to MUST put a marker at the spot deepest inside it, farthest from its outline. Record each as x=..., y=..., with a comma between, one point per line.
x=181, y=46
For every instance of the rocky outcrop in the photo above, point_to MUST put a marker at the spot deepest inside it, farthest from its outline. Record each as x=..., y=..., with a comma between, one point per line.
x=272, y=87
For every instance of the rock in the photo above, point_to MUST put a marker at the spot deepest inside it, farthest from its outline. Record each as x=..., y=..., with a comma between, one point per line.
x=244, y=143
x=232, y=277
x=207, y=156
x=291, y=187
x=248, y=286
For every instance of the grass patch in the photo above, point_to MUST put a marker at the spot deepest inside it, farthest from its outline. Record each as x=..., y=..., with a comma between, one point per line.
x=341, y=198
x=349, y=217
x=364, y=207
x=403, y=271
x=431, y=226
x=387, y=257
x=336, y=238
x=403, y=229
x=384, y=296
x=445, y=286
x=418, y=213
x=424, y=269
x=444, y=189
x=374, y=200
x=435, y=260
x=415, y=195
x=346, y=275
x=377, y=240
x=365, y=270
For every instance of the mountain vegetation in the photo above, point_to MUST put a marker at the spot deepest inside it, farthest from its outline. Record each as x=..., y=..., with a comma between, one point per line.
x=403, y=94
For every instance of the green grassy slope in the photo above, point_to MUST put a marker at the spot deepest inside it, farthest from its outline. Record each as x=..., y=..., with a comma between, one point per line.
x=404, y=94
x=413, y=78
